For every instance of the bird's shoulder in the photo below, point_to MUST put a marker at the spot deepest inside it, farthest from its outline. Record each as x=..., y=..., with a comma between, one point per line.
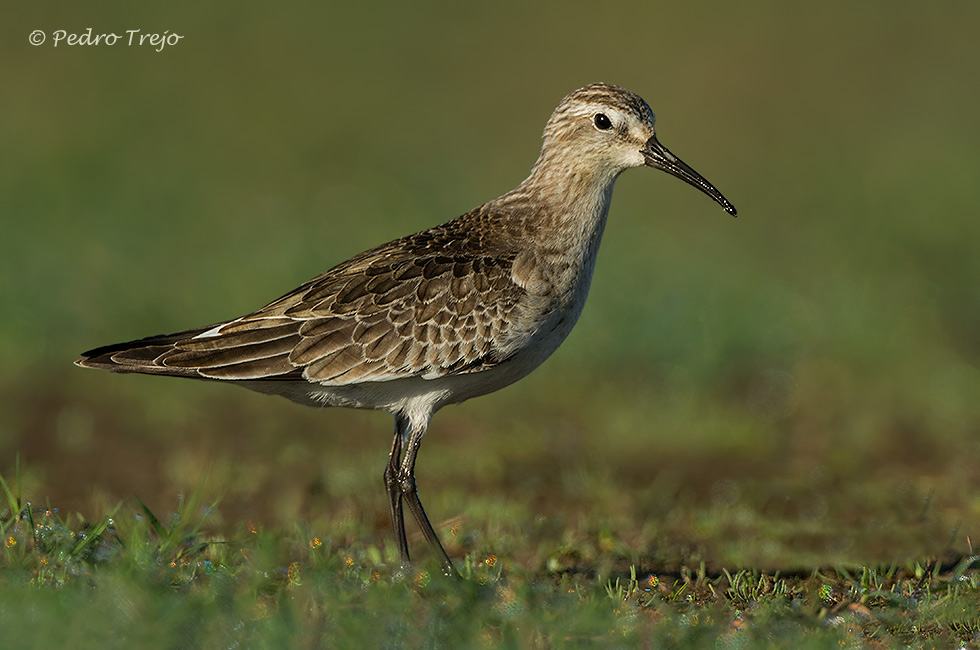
x=459, y=260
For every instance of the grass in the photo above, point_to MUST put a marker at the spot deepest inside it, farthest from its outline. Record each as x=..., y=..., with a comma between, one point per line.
x=135, y=579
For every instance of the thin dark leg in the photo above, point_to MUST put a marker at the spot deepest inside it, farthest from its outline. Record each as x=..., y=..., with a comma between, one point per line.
x=408, y=490
x=394, y=493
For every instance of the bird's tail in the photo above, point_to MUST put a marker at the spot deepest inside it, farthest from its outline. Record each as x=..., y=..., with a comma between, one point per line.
x=141, y=356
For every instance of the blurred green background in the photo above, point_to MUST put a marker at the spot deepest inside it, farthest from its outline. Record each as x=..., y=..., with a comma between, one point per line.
x=800, y=384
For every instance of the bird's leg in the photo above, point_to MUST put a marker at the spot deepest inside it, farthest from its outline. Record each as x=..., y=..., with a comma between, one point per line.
x=408, y=490
x=394, y=492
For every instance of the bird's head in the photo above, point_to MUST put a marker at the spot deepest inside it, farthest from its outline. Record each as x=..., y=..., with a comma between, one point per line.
x=604, y=129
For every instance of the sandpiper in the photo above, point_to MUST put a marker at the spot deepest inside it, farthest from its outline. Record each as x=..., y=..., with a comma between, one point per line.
x=449, y=313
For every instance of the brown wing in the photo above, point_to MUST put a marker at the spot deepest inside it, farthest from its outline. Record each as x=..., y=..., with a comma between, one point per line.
x=428, y=305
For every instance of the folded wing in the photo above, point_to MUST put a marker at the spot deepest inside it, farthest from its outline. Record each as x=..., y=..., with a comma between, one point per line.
x=413, y=307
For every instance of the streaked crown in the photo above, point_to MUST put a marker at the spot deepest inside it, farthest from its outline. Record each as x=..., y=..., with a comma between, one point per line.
x=600, y=125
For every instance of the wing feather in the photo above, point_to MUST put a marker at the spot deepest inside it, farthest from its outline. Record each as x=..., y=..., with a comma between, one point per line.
x=431, y=304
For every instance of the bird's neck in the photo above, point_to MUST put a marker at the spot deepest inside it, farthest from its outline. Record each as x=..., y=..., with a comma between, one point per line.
x=558, y=219
x=570, y=207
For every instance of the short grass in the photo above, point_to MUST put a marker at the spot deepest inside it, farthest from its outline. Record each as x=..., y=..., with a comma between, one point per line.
x=136, y=578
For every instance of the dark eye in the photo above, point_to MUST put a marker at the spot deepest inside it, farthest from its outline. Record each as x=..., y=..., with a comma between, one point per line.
x=602, y=122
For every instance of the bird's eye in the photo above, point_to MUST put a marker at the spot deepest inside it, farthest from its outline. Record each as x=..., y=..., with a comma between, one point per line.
x=602, y=122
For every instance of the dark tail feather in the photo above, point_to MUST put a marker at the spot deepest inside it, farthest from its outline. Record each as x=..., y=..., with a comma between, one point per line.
x=140, y=356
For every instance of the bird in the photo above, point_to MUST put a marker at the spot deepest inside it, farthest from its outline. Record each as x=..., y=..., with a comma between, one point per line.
x=437, y=317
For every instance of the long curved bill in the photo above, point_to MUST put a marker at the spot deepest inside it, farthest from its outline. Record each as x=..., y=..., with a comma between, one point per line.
x=658, y=157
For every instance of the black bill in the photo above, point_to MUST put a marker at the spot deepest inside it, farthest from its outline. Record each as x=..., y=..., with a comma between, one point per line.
x=658, y=157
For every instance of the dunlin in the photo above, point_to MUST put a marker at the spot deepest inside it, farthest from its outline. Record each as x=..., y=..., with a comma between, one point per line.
x=446, y=314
